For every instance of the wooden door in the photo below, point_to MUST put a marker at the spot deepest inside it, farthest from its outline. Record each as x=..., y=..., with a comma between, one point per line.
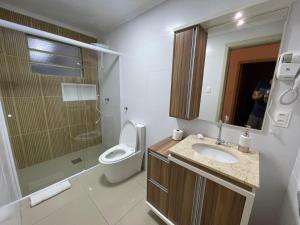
x=237, y=57
x=187, y=75
x=181, y=194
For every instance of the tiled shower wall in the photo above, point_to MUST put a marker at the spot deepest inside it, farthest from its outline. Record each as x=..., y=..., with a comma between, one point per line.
x=41, y=125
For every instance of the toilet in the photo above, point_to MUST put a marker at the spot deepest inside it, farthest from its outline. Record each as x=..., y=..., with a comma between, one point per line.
x=125, y=159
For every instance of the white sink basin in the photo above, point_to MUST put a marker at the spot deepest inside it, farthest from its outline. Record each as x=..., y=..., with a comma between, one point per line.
x=214, y=154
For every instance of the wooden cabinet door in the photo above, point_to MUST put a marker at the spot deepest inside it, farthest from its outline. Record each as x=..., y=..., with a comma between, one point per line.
x=221, y=206
x=187, y=75
x=181, y=194
x=157, y=197
x=158, y=169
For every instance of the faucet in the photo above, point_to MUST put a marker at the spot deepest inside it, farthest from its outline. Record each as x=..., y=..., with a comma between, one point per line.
x=220, y=141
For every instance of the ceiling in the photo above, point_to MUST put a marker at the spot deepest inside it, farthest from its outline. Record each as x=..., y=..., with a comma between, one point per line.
x=93, y=16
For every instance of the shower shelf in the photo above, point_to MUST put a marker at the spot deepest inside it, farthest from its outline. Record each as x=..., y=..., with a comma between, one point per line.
x=78, y=92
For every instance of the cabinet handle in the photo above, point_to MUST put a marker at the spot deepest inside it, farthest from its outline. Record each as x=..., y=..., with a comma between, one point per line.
x=191, y=72
x=198, y=200
x=158, y=185
x=158, y=157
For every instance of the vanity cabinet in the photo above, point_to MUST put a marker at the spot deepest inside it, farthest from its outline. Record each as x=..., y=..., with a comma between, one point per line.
x=187, y=74
x=158, y=175
x=183, y=193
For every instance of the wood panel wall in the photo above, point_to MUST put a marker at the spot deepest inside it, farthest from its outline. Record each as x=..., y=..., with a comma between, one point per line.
x=42, y=126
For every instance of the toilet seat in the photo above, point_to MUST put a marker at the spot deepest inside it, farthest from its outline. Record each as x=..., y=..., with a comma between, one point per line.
x=129, y=135
x=116, y=154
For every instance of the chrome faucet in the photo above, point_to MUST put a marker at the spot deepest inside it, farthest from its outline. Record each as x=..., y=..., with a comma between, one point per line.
x=221, y=141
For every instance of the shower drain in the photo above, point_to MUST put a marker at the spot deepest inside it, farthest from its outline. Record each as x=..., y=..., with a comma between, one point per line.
x=77, y=160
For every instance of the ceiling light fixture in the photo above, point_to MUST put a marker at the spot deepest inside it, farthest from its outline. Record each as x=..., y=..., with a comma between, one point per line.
x=238, y=15
x=240, y=23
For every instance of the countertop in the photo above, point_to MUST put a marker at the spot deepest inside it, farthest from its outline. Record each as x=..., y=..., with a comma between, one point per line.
x=162, y=148
x=245, y=171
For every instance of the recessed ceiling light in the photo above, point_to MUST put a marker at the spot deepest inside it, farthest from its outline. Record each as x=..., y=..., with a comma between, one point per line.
x=238, y=15
x=240, y=22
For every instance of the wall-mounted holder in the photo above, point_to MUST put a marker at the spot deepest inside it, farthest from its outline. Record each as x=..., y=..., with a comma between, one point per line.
x=125, y=109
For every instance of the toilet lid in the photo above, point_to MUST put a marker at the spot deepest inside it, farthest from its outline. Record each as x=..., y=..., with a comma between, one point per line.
x=128, y=135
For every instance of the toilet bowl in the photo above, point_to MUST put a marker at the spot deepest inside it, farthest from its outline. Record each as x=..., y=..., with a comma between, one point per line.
x=125, y=159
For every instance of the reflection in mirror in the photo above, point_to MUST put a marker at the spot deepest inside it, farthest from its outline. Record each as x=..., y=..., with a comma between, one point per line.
x=242, y=49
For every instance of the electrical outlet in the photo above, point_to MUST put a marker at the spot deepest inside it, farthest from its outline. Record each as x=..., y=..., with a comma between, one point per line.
x=282, y=118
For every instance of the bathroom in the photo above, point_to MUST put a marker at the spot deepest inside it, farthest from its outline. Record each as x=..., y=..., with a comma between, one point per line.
x=67, y=132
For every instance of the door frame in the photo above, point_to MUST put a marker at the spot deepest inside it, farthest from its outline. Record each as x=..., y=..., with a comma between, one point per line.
x=228, y=106
x=239, y=44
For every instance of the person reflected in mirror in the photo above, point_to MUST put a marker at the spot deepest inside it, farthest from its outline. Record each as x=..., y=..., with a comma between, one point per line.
x=260, y=96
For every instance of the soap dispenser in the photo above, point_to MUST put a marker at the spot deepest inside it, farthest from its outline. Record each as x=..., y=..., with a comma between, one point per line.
x=245, y=139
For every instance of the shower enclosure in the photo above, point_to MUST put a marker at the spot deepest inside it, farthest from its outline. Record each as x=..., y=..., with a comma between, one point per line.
x=61, y=105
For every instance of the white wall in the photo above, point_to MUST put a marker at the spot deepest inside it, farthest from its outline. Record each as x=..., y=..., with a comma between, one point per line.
x=216, y=59
x=290, y=208
x=147, y=44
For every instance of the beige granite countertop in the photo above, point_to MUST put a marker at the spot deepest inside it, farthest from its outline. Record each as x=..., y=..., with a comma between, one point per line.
x=245, y=171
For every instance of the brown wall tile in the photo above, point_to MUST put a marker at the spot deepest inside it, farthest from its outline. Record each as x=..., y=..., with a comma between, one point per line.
x=68, y=33
x=5, y=81
x=87, y=39
x=12, y=122
x=89, y=57
x=24, y=83
x=15, y=43
x=30, y=112
x=60, y=142
x=18, y=151
x=78, y=142
x=1, y=40
x=44, y=26
x=94, y=132
x=90, y=75
x=76, y=113
x=51, y=85
x=92, y=115
x=18, y=18
x=56, y=112
x=36, y=147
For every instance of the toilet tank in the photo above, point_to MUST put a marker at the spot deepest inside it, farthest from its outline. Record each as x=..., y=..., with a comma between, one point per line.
x=141, y=130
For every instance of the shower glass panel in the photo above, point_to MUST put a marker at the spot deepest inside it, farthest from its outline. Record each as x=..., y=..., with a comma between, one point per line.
x=59, y=121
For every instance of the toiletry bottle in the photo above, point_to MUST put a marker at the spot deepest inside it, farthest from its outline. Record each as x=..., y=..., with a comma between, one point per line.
x=245, y=139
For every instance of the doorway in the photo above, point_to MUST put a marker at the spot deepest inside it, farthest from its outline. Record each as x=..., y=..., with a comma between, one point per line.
x=251, y=75
x=246, y=66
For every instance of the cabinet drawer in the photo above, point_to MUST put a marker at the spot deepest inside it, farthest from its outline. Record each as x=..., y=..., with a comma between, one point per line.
x=158, y=197
x=158, y=169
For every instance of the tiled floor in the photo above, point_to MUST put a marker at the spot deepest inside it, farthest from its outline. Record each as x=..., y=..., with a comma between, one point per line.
x=46, y=173
x=93, y=201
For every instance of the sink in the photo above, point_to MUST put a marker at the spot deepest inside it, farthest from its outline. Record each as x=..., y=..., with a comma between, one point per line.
x=214, y=153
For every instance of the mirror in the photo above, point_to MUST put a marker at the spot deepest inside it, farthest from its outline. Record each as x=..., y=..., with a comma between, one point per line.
x=241, y=54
